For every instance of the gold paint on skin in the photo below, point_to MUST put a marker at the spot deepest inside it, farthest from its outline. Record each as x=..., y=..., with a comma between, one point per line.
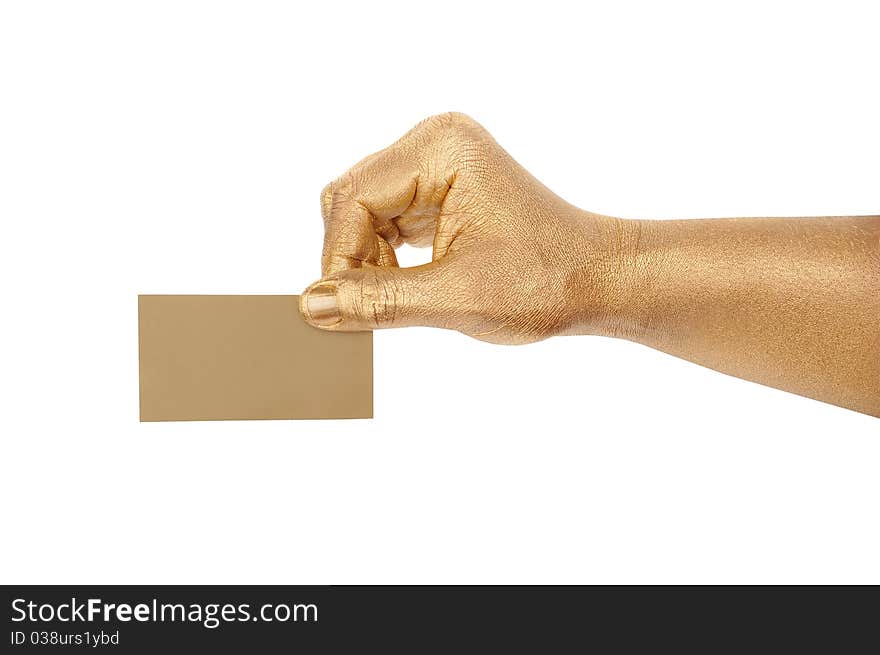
x=793, y=303
x=318, y=305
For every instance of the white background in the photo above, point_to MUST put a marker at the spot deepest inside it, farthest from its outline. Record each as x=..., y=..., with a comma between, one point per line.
x=180, y=147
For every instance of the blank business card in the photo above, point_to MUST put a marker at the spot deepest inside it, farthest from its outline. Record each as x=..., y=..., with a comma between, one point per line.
x=211, y=358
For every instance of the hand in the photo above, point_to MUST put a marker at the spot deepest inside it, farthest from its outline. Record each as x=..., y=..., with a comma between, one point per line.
x=512, y=262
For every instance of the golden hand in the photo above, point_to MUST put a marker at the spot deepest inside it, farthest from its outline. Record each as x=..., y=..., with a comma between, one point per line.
x=512, y=262
x=792, y=303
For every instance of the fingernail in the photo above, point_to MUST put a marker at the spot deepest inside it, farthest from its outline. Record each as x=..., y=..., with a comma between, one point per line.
x=320, y=305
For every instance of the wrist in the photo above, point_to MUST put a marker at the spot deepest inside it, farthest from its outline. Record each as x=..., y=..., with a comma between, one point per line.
x=610, y=283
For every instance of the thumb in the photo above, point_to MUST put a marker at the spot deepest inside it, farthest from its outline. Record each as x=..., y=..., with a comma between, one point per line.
x=374, y=297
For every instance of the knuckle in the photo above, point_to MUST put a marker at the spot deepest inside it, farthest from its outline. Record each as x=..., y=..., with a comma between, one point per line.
x=451, y=122
x=463, y=139
x=326, y=200
x=337, y=190
x=344, y=184
x=379, y=297
x=463, y=121
x=455, y=120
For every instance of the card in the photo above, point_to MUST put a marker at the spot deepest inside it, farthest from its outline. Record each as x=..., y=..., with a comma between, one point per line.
x=211, y=358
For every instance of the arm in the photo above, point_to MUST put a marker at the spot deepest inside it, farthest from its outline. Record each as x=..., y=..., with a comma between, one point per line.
x=792, y=303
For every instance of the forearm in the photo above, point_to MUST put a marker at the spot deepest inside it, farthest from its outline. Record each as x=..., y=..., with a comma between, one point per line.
x=793, y=303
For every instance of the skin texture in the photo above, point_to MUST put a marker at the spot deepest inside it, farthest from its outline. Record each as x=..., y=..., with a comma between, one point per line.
x=793, y=303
